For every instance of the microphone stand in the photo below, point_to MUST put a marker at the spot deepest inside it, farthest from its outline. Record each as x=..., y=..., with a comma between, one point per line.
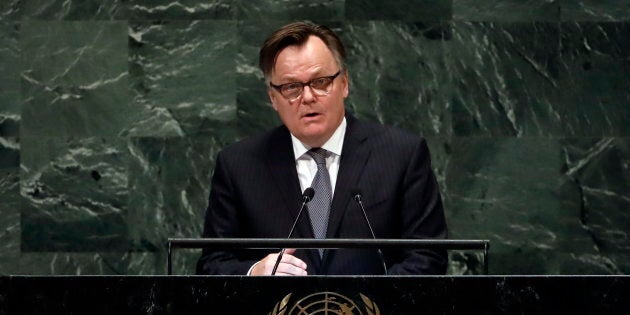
x=357, y=198
x=306, y=197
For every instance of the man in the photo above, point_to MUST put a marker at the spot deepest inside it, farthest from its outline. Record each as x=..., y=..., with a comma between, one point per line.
x=258, y=183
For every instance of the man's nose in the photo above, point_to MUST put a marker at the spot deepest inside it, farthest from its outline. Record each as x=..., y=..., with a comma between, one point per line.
x=307, y=94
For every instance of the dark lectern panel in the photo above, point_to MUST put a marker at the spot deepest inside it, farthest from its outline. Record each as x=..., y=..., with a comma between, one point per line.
x=357, y=295
x=4, y=292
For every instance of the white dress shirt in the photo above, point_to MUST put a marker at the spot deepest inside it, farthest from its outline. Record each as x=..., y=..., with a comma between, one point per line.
x=306, y=166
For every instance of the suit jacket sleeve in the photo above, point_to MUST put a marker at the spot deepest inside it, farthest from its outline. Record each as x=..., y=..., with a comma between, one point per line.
x=422, y=215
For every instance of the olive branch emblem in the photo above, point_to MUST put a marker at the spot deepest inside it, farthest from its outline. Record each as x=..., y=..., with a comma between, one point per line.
x=368, y=307
x=281, y=307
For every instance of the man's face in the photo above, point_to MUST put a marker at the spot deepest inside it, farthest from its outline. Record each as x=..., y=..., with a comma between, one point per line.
x=311, y=118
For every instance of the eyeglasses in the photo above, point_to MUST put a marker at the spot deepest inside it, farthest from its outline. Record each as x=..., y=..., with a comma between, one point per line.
x=320, y=86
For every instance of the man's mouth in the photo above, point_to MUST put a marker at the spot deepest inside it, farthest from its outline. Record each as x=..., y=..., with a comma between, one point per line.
x=309, y=115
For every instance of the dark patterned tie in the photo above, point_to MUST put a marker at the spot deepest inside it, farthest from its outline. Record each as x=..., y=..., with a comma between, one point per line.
x=319, y=207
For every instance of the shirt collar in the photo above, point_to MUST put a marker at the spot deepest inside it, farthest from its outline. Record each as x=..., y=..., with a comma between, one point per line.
x=333, y=145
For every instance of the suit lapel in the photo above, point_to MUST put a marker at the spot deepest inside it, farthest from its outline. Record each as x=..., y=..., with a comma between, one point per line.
x=281, y=164
x=354, y=155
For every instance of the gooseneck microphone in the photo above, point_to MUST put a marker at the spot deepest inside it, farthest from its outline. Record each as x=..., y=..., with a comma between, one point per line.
x=356, y=195
x=307, y=195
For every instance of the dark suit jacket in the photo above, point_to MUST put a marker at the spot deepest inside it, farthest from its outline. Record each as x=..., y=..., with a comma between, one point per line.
x=256, y=194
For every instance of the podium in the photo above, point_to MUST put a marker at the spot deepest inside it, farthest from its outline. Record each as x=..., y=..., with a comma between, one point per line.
x=301, y=295
x=369, y=295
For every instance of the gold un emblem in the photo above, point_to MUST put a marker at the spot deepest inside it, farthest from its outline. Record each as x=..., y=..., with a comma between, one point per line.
x=325, y=303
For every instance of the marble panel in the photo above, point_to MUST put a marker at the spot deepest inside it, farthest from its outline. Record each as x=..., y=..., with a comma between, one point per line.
x=540, y=79
x=169, y=188
x=9, y=79
x=440, y=149
x=505, y=79
x=9, y=153
x=182, y=9
x=397, y=74
x=460, y=262
x=599, y=170
x=74, y=79
x=507, y=10
x=466, y=262
x=72, y=9
x=292, y=9
x=71, y=263
x=10, y=10
x=595, y=10
x=184, y=262
x=414, y=10
x=116, y=124
x=523, y=196
x=10, y=205
x=594, y=86
x=74, y=194
x=255, y=113
x=148, y=263
x=183, y=77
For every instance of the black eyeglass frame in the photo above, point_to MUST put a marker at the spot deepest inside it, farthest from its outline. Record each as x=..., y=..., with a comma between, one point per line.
x=303, y=84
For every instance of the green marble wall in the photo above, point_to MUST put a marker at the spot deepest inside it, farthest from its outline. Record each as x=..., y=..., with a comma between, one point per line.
x=111, y=114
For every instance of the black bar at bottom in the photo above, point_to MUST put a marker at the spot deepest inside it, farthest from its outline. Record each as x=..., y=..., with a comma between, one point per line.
x=264, y=295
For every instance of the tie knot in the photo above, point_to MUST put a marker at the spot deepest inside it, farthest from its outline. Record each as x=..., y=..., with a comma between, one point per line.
x=318, y=154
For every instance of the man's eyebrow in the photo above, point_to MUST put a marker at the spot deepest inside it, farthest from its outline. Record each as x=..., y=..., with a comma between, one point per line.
x=317, y=74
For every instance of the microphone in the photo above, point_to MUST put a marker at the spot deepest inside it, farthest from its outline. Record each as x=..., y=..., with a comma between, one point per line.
x=356, y=195
x=307, y=196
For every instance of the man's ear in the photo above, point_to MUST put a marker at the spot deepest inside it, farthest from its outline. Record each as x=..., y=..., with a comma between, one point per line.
x=272, y=98
x=346, y=83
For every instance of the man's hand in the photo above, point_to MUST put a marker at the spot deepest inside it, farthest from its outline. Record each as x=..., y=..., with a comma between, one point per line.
x=289, y=265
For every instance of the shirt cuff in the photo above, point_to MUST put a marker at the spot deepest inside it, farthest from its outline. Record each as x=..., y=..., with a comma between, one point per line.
x=249, y=272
